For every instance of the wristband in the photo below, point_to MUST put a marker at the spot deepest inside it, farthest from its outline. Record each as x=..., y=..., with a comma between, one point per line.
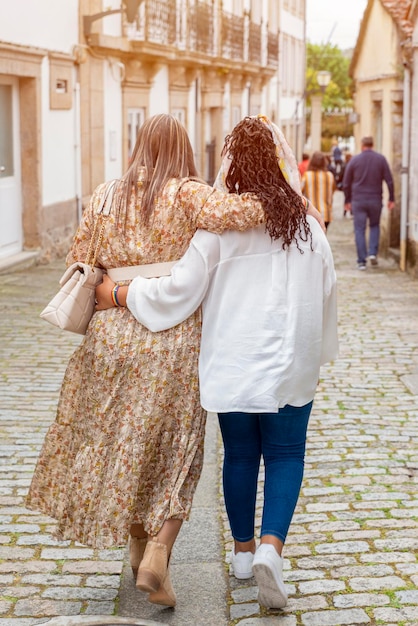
x=114, y=294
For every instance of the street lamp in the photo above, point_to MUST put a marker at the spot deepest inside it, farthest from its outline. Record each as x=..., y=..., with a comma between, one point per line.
x=323, y=79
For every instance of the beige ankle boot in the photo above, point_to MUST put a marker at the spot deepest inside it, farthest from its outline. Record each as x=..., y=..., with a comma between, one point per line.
x=165, y=594
x=137, y=547
x=153, y=567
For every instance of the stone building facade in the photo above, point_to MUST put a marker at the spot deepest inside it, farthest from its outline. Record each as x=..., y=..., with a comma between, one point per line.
x=384, y=99
x=77, y=79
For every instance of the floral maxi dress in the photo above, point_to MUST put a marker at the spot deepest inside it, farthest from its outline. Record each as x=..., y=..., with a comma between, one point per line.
x=127, y=442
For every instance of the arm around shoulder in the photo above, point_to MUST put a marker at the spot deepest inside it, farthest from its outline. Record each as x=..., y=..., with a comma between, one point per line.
x=161, y=303
x=217, y=211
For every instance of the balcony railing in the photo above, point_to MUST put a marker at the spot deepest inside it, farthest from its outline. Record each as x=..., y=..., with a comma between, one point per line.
x=273, y=49
x=163, y=22
x=232, y=36
x=201, y=28
x=254, y=43
x=156, y=22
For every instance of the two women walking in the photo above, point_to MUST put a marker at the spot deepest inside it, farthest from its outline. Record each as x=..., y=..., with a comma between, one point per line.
x=124, y=455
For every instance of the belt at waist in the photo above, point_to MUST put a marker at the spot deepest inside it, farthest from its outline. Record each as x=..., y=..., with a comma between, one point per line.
x=151, y=270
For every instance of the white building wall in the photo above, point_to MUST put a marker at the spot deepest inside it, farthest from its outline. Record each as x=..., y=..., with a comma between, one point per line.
x=266, y=108
x=29, y=24
x=59, y=180
x=112, y=24
x=113, y=123
x=291, y=25
x=51, y=24
x=288, y=107
x=245, y=100
x=228, y=5
x=159, y=93
x=226, y=119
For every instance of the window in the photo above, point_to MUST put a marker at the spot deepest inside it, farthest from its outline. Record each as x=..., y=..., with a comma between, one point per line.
x=136, y=118
x=6, y=134
x=180, y=114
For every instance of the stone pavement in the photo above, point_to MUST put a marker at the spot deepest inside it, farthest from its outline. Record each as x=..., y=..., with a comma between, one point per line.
x=351, y=555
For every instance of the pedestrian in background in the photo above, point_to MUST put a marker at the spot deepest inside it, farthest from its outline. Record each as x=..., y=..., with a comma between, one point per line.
x=318, y=185
x=337, y=155
x=362, y=184
x=347, y=158
x=337, y=169
x=269, y=322
x=303, y=165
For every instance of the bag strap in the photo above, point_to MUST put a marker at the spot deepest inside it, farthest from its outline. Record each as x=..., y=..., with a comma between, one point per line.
x=103, y=213
x=105, y=205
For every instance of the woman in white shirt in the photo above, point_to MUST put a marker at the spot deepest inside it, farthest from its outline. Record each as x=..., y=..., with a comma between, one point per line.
x=269, y=321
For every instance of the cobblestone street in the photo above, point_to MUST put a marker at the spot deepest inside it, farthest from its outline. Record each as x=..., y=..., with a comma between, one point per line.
x=351, y=555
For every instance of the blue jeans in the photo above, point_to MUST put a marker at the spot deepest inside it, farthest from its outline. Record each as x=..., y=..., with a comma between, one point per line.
x=363, y=212
x=281, y=439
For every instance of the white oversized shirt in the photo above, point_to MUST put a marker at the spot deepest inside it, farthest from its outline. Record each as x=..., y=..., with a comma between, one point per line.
x=269, y=315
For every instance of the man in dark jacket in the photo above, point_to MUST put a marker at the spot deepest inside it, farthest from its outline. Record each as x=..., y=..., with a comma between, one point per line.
x=362, y=184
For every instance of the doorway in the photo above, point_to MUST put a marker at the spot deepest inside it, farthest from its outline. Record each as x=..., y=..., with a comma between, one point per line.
x=10, y=174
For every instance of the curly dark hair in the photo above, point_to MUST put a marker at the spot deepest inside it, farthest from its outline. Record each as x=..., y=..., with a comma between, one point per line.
x=254, y=168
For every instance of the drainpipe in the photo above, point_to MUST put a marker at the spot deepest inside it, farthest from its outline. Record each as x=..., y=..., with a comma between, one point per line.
x=77, y=148
x=405, y=165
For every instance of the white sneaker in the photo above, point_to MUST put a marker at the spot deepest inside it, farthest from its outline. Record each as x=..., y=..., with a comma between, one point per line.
x=268, y=572
x=241, y=564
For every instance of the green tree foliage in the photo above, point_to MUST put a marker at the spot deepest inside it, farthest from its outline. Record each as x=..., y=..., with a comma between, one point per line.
x=337, y=98
x=328, y=57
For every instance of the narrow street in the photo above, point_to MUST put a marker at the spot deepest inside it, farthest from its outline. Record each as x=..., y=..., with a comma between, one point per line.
x=351, y=555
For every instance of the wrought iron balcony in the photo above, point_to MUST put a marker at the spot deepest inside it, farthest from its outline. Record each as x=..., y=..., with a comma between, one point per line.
x=232, y=36
x=201, y=34
x=156, y=22
x=195, y=30
x=254, y=43
x=273, y=49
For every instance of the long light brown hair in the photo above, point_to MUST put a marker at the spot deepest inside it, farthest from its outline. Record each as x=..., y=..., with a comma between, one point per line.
x=162, y=151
